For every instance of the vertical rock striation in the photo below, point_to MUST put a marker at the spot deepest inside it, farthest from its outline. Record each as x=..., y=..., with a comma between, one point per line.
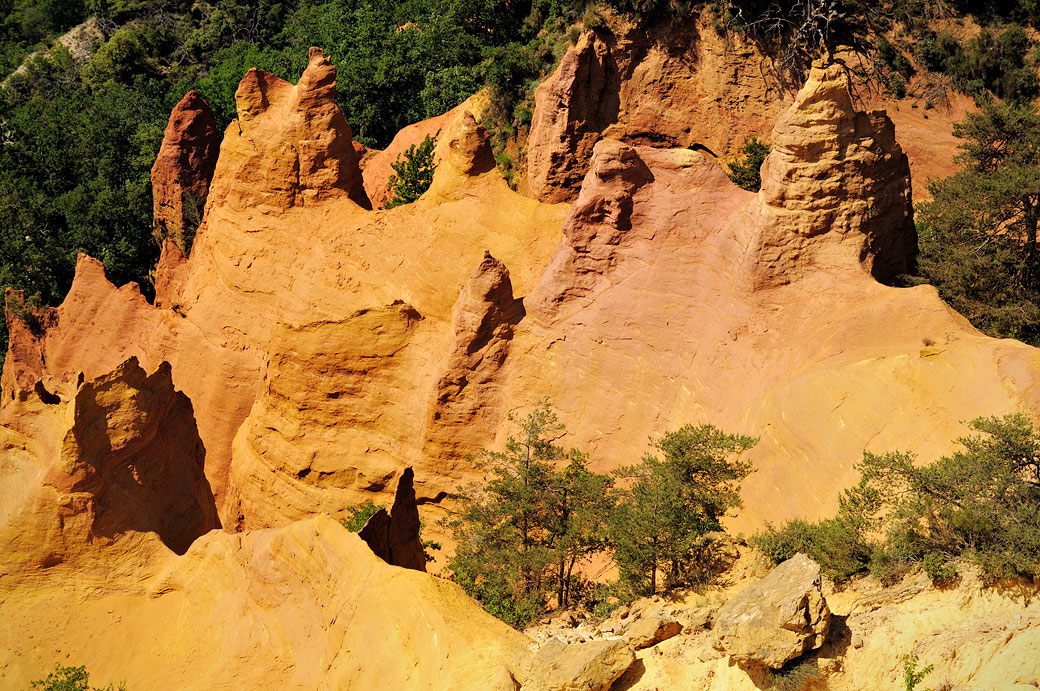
x=111, y=457
x=290, y=145
x=572, y=108
x=183, y=170
x=483, y=320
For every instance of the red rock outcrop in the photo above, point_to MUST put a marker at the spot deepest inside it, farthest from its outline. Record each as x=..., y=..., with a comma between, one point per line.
x=321, y=363
x=482, y=321
x=378, y=167
x=394, y=535
x=571, y=109
x=669, y=85
x=183, y=169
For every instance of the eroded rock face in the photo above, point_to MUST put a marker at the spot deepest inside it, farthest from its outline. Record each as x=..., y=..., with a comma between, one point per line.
x=322, y=442
x=394, y=535
x=572, y=107
x=183, y=169
x=776, y=619
x=113, y=456
x=455, y=130
x=483, y=321
x=592, y=666
x=290, y=145
x=835, y=187
x=307, y=606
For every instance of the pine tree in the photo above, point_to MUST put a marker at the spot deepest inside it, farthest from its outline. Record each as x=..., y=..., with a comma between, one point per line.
x=413, y=173
x=673, y=501
x=538, y=512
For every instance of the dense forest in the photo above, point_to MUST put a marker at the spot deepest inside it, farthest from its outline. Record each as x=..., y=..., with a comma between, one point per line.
x=81, y=128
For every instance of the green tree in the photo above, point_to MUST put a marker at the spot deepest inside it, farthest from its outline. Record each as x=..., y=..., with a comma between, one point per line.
x=674, y=499
x=70, y=679
x=978, y=234
x=980, y=504
x=413, y=173
x=537, y=514
x=746, y=171
x=359, y=516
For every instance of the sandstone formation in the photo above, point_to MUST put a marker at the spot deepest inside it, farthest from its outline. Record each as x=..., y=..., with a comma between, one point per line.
x=778, y=618
x=304, y=607
x=291, y=144
x=183, y=169
x=91, y=462
x=378, y=169
x=593, y=666
x=482, y=321
x=394, y=535
x=316, y=348
x=321, y=363
x=977, y=638
x=650, y=631
x=835, y=182
x=668, y=86
x=571, y=109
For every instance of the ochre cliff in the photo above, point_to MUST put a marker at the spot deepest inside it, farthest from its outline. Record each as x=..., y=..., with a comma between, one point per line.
x=326, y=347
x=308, y=349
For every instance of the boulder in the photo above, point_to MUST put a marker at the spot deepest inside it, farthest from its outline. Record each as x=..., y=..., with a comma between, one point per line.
x=651, y=631
x=592, y=666
x=776, y=619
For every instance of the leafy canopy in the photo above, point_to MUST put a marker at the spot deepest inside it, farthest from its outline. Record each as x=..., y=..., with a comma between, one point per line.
x=978, y=234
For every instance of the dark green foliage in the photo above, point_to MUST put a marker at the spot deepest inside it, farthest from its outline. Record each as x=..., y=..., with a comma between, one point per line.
x=538, y=513
x=980, y=504
x=74, y=174
x=413, y=173
x=746, y=171
x=978, y=235
x=839, y=545
x=359, y=516
x=998, y=63
x=74, y=177
x=674, y=499
x=70, y=679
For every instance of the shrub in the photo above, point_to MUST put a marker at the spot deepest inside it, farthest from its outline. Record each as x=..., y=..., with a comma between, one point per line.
x=359, y=516
x=413, y=173
x=911, y=675
x=746, y=170
x=71, y=679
